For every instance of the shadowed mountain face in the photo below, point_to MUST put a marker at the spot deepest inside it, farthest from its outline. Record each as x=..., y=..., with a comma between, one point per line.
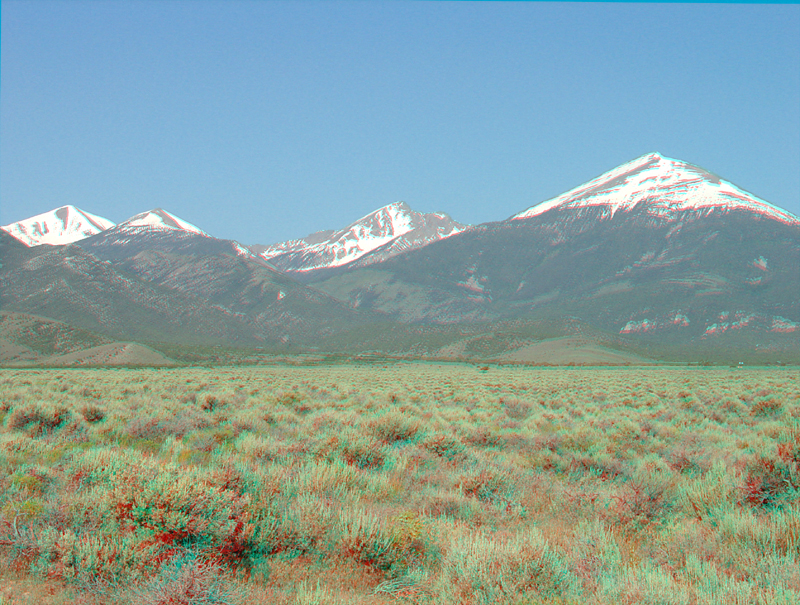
x=68, y=284
x=226, y=276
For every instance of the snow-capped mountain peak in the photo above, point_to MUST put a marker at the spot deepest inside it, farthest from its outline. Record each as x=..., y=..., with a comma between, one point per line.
x=393, y=228
x=377, y=228
x=661, y=185
x=60, y=226
x=160, y=219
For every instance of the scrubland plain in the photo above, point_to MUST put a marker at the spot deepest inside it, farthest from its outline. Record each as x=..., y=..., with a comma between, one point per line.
x=401, y=483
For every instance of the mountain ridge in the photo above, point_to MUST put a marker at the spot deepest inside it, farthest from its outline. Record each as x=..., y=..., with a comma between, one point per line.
x=656, y=252
x=391, y=229
x=60, y=226
x=661, y=186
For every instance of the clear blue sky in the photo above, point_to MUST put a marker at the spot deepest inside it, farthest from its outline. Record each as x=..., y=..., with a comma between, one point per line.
x=264, y=121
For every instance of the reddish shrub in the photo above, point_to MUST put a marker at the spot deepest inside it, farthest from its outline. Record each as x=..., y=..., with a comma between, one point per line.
x=36, y=420
x=92, y=413
x=768, y=480
x=445, y=446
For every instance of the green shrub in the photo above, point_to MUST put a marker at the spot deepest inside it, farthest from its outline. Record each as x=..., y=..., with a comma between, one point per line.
x=362, y=538
x=313, y=595
x=187, y=578
x=161, y=506
x=482, y=569
x=705, y=496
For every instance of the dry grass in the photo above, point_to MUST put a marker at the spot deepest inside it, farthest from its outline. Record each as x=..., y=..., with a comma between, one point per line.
x=408, y=483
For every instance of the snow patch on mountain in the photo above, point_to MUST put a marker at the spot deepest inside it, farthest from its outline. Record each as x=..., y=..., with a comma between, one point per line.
x=394, y=226
x=662, y=186
x=242, y=251
x=64, y=225
x=160, y=219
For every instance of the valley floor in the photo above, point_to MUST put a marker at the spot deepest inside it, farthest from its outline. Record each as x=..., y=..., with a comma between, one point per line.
x=408, y=482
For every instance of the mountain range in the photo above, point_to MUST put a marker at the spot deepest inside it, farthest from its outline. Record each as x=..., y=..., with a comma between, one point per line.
x=656, y=256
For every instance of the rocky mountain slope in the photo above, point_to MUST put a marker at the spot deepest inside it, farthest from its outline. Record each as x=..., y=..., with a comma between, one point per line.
x=381, y=234
x=654, y=253
x=225, y=275
x=71, y=285
x=656, y=249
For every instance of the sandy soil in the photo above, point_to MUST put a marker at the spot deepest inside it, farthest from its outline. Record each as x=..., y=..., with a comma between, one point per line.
x=561, y=351
x=120, y=353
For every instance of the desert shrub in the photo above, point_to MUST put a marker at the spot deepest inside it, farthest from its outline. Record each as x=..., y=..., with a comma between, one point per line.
x=159, y=426
x=313, y=595
x=515, y=408
x=280, y=533
x=786, y=529
x=769, y=481
x=646, y=584
x=353, y=449
x=189, y=397
x=363, y=453
x=445, y=446
x=413, y=585
x=27, y=510
x=210, y=403
x=686, y=461
x=85, y=558
x=765, y=406
x=488, y=484
x=362, y=538
x=745, y=534
x=712, y=586
x=483, y=437
x=257, y=446
x=413, y=545
x=307, y=521
x=484, y=569
x=596, y=553
x=32, y=479
x=451, y=504
x=23, y=493
x=182, y=511
x=600, y=465
x=704, y=496
x=161, y=506
x=395, y=426
x=92, y=413
x=635, y=506
x=647, y=498
x=37, y=419
x=291, y=399
x=249, y=419
x=187, y=578
x=333, y=478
